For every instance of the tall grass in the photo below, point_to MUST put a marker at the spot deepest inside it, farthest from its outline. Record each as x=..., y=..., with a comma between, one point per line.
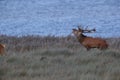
x=28, y=43
x=57, y=58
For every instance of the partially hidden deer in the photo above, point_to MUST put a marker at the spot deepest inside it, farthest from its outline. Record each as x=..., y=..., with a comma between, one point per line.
x=89, y=42
x=2, y=49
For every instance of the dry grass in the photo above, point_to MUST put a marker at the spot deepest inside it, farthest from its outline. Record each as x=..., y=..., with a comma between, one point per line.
x=28, y=43
x=57, y=58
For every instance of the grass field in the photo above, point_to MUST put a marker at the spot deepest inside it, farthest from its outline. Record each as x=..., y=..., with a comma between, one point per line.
x=57, y=58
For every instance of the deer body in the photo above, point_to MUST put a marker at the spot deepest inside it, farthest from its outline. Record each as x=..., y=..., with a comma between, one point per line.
x=90, y=42
x=2, y=49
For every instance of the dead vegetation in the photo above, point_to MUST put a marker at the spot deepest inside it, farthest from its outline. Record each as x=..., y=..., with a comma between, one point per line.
x=57, y=58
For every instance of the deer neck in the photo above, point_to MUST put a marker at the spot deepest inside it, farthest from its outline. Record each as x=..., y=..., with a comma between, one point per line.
x=81, y=38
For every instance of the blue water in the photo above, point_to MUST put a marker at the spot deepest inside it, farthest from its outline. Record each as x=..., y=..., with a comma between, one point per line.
x=58, y=17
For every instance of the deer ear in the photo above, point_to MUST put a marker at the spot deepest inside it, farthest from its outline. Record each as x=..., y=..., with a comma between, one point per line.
x=79, y=28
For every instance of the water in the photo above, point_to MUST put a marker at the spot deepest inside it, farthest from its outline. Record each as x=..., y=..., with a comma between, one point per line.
x=59, y=17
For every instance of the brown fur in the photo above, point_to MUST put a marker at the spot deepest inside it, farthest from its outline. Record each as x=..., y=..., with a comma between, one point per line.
x=2, y=49
x=90, y=42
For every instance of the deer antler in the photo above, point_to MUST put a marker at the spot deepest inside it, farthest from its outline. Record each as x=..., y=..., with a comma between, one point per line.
x=86, y=30
x=80, y=28
x=89, y=31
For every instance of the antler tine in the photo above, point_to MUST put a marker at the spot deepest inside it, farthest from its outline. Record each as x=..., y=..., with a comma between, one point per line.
x=89, y=31
x=79, y=27
x=94, y=29
x=86, y=28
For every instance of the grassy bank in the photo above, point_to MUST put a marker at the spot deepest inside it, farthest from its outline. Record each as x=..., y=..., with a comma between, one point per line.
x=57, y=58
x=28, y=43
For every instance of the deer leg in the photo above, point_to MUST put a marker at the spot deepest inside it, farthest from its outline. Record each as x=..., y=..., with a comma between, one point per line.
x=101, y=47
x=87, y=48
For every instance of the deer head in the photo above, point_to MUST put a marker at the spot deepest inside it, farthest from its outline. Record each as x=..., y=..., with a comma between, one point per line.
x=78, y=32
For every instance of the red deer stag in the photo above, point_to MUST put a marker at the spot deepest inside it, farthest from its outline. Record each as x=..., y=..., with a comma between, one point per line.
x=2, y=49
x=89, y=42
